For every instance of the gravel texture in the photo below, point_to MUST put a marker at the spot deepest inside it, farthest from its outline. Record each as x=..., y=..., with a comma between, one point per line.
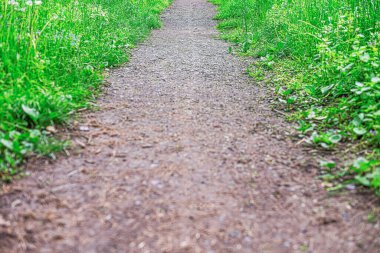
x=184, y=155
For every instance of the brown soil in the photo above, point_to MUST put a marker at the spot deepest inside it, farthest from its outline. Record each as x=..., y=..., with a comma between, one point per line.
x=184, y=155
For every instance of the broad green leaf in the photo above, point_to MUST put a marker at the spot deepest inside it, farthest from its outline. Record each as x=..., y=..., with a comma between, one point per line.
x=324, y=90
x=376, y=179
x=8, y=144
x=360, y=130
x=328, y=164
x=335, y=138
x=375, y=79
x=33, y=113
x=363, y=180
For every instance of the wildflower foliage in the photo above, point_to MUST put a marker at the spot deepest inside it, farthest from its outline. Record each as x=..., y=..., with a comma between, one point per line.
x=52, y=54
x=325, y=59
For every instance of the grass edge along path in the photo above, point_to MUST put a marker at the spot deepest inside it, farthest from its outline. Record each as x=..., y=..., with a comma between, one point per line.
x=321, y=58
x=52, y=60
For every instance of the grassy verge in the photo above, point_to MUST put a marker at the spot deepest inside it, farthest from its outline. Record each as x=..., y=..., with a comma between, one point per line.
x=322, y=59
x=52, y=54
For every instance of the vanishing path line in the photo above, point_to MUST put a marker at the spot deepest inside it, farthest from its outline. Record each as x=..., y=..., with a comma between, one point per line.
x=184, y=155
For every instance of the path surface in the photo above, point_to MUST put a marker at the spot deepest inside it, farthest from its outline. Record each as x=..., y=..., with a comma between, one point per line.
x=183, y=156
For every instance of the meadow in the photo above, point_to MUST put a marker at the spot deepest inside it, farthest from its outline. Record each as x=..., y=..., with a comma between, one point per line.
x=52, y=60
x=321, y=58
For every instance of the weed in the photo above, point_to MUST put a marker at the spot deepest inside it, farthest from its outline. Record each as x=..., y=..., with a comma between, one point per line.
x=52, y=56
x=324, y=61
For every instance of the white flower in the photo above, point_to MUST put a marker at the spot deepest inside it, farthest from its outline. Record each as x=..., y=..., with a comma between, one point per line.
x=37, y=2
x=29, y=3
x=13, y=2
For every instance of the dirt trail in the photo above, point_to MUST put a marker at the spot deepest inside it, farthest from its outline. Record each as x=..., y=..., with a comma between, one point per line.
x=183, y=156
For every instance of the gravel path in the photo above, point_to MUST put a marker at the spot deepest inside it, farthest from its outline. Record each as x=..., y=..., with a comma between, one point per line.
x=184, y=155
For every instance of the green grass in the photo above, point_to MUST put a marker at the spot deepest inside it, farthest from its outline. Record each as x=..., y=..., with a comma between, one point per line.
x=52, y=57
x=324, y=55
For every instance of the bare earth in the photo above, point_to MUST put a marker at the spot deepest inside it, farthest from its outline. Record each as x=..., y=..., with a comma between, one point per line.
x=184, y=155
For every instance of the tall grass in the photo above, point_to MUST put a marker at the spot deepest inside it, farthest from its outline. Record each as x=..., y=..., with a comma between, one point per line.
x=52, y=54
x=331, y=48
x=289, y=26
